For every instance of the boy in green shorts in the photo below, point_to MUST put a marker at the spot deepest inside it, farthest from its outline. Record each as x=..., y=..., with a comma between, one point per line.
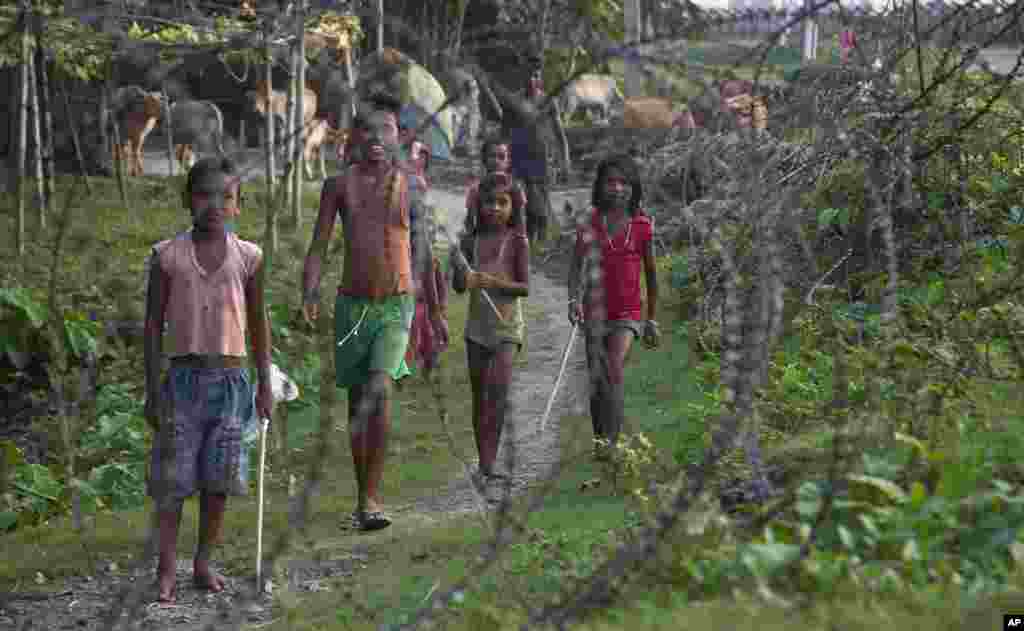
x=386, y=255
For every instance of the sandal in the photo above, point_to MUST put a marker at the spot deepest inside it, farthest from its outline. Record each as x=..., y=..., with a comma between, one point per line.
x=373, y=520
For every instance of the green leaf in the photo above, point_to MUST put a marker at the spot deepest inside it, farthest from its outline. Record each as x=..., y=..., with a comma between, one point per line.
x=875, y=488
x=918, y=495
x=846, y=537
x=768, y=557
x=936, y=200
x=828, y=216
x=1000, y=184
x=24, y=304
x=8, y=519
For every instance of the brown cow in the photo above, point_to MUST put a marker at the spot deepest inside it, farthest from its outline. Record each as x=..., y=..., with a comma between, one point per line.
x=317, y=136
x=278, y=106
x=137, y=115
x=648, y=112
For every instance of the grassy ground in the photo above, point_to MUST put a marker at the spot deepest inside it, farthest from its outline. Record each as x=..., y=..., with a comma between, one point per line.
x=402, y=566
x=104, y=274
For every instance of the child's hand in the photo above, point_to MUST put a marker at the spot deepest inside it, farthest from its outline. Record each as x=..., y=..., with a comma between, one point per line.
x=575, y=313
x=486, y=280
x=264, y=401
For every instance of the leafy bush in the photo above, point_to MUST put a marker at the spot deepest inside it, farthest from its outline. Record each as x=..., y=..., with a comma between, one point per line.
x=22, y=328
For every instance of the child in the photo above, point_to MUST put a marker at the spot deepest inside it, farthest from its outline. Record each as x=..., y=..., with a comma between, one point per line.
x=613, y=309
x=206, y=284
x=423, y=344
x=379, y=203
x=499, y=252
x=496, y=156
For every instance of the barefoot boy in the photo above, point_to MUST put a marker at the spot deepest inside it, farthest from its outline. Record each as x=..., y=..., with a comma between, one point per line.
x=613, y=309
x=206, y=285
x=499, y=252
x=385, y=246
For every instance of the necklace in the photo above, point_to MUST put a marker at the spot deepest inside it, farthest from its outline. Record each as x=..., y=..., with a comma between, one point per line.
x=608, y=236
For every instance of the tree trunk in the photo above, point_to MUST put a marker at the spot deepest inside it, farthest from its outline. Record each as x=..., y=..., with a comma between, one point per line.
x=104, y=118
x=424, y=44
x=73, y=126
x=380, y=26
x=300, y=116
x=37, y=142
x=270, y=242
x=22, y=139
x=168, y=133
x=119, y=164
x=634, y=76
x=46, y=120
x=291, y=126
x=463, y=5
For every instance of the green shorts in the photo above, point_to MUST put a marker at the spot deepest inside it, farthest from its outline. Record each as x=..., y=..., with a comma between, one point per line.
x=380, y=341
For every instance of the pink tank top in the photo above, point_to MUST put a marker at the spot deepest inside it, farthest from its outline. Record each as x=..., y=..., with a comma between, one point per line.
x=206, y=312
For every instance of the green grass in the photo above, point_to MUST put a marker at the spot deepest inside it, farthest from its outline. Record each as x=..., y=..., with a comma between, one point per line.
x=103, y=271
x=577, y=524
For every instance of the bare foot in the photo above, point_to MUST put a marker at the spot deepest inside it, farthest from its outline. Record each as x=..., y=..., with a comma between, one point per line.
x=205, y=578
x=165, y=588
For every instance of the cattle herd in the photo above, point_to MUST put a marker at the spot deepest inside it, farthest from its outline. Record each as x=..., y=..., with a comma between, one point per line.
x=193, y=124
x=195, y=106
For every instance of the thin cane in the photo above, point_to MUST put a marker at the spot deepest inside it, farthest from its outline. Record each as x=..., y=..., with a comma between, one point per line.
x=565, y=353
x=259, y=514
x=465, y=264
x=558, y=380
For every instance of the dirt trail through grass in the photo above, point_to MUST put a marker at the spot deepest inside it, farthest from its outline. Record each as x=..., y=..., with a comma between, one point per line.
x=81, y=602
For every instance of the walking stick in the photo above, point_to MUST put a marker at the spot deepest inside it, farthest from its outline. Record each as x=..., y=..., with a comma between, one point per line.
x=558, y=380
x=259, y=515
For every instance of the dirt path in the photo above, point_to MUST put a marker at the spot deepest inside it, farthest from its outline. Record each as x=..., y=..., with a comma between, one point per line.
x=80, y=602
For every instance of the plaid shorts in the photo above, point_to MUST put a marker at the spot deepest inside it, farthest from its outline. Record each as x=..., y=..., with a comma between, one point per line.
x=204, y=441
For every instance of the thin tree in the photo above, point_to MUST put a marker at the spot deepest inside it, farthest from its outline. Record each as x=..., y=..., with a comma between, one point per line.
x=290, y=126
x=37, y=141
x=73, y=127
x=380, y=26
x=165, y=107
x=463, y=6
x=23, y=102
x=299, y=159
x=270, y=241
x=634, y=76
x=46, y=119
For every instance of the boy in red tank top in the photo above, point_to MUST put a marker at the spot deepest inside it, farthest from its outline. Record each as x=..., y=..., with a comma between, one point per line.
x=612, y=246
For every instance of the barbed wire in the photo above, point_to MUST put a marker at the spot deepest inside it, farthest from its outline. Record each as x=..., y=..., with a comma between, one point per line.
x=760, y=197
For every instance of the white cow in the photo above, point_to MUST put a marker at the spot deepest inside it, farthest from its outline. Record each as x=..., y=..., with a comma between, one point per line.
x=591, y=90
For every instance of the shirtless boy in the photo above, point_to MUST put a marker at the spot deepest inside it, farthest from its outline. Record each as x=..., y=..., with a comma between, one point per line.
x=386, y=254
x=206, y=284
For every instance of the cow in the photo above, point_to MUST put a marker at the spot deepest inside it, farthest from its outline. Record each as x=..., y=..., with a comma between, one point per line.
x=135, y=112
x=648, y=112
x=193, y=124
x=264, y=100
x=317, y=135
x=591, y=91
